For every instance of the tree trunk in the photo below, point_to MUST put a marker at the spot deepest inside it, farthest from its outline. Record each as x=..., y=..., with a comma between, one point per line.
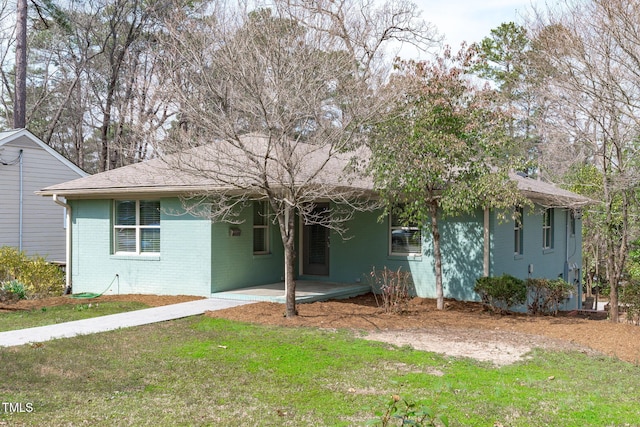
x=289, y=281
x=437, y=256
x=20, y=92
x=287, y=228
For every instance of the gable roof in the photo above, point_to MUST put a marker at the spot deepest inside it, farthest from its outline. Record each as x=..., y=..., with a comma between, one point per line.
x=158, y=177
x=9, y=136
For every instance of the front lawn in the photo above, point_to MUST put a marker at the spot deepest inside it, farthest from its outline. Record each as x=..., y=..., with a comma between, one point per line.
x=205, y=371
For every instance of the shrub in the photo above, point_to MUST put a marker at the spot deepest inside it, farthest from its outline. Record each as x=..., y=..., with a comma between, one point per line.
x=501, y=293
x=16, y=288
x=38, y=277
x=630, y=299
x=546, y=295
x=393, y=288
x=12, y=291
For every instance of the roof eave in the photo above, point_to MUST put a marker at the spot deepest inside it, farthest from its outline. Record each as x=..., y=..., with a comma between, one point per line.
x=557, y=201
x=119, y=192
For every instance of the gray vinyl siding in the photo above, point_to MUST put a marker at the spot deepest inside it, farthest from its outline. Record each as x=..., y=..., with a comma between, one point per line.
x=43, y=231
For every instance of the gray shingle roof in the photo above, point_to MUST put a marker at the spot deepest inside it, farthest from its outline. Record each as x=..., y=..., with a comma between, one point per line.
x=218, y=166
x=548, y=194
x=221, y=166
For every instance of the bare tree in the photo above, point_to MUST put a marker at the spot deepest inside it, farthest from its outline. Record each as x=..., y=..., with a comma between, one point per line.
x=92, y=86
x=590, y=55
x=284, y=96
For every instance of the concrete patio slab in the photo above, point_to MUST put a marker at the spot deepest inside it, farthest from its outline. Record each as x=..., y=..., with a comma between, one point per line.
x=306, y=291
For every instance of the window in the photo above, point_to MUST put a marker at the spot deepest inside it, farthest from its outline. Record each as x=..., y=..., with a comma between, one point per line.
x=547, y=229
x=572, y=223
x=261, y=228
x=518, y=232
x=404, y=240
x=136, y=226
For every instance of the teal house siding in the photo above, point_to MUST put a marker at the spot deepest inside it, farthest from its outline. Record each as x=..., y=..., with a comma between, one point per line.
x=563, y=260
x=233, y=263
x=367, y=246
x=462, y=246
x=198, y=257
x=183, y=266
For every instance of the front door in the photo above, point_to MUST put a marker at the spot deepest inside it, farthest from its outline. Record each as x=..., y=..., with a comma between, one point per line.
x=315, y=241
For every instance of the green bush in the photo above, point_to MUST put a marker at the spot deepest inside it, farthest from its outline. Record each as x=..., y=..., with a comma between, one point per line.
x=630, y=299
x=501, y=293
x=545, y=296
x=38, y=277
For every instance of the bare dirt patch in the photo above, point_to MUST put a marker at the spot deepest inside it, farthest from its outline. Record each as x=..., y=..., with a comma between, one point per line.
x=463, y=329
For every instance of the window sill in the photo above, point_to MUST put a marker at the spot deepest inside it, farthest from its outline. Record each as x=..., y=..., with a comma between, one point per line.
x=518, y=256
x=547, y=251
x=136, y=257
x=262, y=256
x=408, y=257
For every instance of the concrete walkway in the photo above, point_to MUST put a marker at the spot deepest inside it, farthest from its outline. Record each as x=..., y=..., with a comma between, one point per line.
x=115, y=321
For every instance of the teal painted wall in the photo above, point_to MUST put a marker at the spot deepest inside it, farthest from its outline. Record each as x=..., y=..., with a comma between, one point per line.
x=233, y=263
x=367, y=246
x=199, y=258
x=183, y=266
x=545, y=263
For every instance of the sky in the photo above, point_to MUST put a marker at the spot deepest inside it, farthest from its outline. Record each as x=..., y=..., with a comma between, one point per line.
x=473, y=20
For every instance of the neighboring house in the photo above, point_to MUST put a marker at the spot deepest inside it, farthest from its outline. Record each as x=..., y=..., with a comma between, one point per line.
x=129, y=225
x=27, y=221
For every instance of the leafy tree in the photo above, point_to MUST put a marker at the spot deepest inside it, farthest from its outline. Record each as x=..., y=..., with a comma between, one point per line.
x=504, y=60
x=444, y=149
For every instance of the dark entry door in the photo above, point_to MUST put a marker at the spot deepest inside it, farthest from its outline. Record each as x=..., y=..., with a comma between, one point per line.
x=315, y=253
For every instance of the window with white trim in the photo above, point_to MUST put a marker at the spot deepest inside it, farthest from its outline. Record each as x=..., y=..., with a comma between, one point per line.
x=547, y=229
x=518, y=232
x=136, y=226
x=261, y=228
x=404, y=239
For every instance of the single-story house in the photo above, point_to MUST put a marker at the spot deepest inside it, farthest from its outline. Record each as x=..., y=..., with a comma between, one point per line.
x=27, y=221
x=129, y=224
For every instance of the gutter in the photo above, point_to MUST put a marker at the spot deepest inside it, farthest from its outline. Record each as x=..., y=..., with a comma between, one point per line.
x=58, y=201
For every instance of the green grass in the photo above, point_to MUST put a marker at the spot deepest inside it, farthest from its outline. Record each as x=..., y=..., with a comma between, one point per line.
x=63, y=313
x=204, y=371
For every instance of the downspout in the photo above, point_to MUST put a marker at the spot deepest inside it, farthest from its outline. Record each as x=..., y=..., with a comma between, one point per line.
x=20, y=203
x=68, y=241
x=485, y=262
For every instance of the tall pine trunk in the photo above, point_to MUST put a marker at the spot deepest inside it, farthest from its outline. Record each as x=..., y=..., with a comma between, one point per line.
x=20, y=92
